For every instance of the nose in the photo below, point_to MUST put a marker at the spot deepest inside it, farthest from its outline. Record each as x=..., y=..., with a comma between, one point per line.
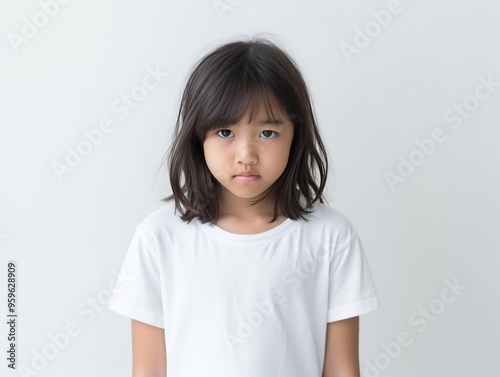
x=246, y=153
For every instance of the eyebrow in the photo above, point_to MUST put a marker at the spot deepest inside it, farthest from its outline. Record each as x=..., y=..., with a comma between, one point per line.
x=275, y=122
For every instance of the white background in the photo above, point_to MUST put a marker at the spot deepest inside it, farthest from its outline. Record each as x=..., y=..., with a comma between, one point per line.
x=439, y=223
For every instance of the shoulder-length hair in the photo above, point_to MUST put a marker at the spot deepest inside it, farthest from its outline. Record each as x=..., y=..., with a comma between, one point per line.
x=224, y=84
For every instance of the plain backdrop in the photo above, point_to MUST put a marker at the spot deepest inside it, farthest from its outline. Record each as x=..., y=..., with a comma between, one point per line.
x=411, y=103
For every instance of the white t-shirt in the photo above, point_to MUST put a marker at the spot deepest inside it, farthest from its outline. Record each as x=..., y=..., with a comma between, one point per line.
x=245, y=305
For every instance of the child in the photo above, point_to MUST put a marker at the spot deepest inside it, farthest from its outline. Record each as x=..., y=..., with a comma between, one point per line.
x=255, y=277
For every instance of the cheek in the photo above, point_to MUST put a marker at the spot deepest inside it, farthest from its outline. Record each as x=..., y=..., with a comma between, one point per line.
x=211, y=164
x=208, y=152
x=280, y=157
x=208, y=159
x=216, y=162
x=212, y=155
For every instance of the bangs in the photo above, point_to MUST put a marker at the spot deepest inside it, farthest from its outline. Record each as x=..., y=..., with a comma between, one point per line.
x=235, y=96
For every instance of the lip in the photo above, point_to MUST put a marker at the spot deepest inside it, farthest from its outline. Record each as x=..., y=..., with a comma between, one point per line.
x=246, y=178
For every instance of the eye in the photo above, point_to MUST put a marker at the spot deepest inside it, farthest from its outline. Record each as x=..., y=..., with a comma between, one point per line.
x=266, y=131
x=224, y=135
x=225, y=130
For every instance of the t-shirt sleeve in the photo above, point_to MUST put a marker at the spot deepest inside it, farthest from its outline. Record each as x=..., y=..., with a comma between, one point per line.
x=352, y=290
x=137, y=292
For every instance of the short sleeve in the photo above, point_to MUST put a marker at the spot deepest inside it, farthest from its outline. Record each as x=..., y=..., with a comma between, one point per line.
x=352, y=290
x=137, y=292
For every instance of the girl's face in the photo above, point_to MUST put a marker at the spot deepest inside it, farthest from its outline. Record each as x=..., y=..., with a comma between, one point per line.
x=260, y=149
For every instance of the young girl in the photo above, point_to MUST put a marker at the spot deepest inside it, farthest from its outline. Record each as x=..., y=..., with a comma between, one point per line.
x=247, y=274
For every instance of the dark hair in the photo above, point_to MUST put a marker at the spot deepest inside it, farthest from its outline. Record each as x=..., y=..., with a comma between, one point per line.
x=225, y=83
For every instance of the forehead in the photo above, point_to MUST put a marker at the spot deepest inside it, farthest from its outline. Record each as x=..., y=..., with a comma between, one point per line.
x=264, y=117
x=262, y=111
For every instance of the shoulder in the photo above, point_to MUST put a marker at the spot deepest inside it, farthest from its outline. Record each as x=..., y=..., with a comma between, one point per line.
x=161, y=221
x=332, y=223
x=324, y=213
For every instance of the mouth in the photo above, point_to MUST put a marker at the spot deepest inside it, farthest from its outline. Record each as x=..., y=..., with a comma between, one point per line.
x=246, y=178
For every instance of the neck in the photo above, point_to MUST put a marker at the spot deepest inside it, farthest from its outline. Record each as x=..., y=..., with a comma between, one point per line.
x=240, y=209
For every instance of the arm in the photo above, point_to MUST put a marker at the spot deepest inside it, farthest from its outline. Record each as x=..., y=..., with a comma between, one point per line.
x=341, y=353
x=149, y=350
